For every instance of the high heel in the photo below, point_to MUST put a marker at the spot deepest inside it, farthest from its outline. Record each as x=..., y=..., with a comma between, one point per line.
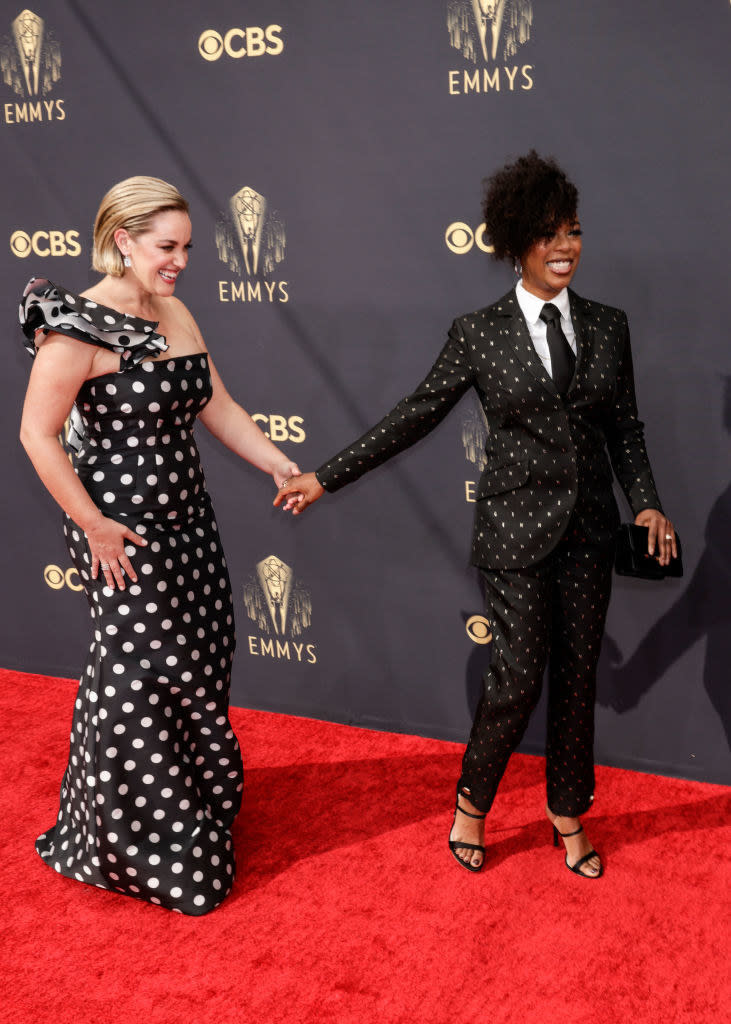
x=455, y=844
x=582, y=860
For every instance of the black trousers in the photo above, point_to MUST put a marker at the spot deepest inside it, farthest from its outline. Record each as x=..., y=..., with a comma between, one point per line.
x=552, y=612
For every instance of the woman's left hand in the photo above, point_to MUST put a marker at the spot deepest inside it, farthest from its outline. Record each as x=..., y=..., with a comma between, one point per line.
x=661, y=536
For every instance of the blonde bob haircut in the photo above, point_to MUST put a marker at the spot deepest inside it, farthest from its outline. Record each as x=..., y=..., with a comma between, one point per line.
x=131, y=204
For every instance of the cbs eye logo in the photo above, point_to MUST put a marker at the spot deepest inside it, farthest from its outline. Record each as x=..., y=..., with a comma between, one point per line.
x=57, y=578
x=460, y=238
x=278, y=428
x=240, y=42
x=45, y=243
x=478, y=629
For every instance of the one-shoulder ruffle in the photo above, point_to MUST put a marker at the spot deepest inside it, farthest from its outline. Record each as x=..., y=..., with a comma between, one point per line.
x=47, y=307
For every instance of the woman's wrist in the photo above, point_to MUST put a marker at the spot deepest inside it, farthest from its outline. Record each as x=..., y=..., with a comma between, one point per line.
x=280, y=468
x=283, y=470
x=89, y=521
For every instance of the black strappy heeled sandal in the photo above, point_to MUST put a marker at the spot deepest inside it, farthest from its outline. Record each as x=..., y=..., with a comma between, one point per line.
x=458, y=844
x=582, y=860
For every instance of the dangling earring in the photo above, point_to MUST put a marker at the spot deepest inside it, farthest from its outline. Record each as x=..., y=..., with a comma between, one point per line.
x=127, y=261
x=517, y=268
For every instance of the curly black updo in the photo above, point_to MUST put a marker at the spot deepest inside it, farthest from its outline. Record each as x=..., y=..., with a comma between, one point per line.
x=524, y=202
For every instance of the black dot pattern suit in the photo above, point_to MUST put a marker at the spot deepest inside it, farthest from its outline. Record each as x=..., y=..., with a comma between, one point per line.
x=545, y=521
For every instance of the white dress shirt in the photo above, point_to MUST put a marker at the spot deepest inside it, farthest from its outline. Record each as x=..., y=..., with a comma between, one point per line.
x=531, y=307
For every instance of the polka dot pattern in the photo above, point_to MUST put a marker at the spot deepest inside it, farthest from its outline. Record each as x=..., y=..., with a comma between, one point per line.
x=154, y=778
x=140, y=458
x=46, y=306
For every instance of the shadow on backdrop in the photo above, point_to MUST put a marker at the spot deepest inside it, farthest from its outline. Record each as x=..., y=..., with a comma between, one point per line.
x=703, y=610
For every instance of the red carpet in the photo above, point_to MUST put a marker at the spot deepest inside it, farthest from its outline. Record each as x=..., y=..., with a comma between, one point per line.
x=348, y=906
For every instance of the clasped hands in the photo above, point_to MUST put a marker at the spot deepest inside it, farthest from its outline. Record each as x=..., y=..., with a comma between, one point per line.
x=297, y=492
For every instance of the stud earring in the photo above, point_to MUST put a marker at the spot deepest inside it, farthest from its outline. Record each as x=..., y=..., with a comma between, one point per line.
x=127, y=261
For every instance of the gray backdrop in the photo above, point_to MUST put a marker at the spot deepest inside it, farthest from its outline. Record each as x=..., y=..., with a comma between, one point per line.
x=355, y=137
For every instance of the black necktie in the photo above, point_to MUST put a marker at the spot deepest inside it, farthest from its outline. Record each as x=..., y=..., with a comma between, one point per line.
x=563, y=359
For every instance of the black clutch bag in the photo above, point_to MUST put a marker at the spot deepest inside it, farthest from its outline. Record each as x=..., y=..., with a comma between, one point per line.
x=632, y=559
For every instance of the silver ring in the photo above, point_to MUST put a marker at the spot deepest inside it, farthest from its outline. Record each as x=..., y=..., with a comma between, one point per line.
x=668, y=536
x=104, y=565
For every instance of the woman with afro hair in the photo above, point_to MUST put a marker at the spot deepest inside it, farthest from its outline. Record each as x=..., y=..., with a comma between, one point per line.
x=553, y=373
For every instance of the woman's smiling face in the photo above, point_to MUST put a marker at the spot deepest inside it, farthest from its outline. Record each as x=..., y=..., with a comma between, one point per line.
x=160, y=253
x=550, y=263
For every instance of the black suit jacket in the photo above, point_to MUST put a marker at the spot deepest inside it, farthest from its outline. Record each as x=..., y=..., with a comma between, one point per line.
x=546, y=455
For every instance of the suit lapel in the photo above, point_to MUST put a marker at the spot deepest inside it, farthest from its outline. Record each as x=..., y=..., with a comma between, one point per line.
x=582, y=337
x=521, y=342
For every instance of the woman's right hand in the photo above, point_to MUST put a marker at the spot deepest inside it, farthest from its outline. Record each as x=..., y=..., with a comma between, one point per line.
x=106, y=540
x=300, y=491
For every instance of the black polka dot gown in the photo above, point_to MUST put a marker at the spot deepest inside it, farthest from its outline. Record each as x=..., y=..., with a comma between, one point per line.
x=154, y=778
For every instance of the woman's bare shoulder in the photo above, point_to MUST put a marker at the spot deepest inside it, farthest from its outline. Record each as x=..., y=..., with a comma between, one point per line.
x=176, y=311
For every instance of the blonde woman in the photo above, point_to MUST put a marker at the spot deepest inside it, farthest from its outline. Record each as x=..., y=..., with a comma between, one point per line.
x=154, y=778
